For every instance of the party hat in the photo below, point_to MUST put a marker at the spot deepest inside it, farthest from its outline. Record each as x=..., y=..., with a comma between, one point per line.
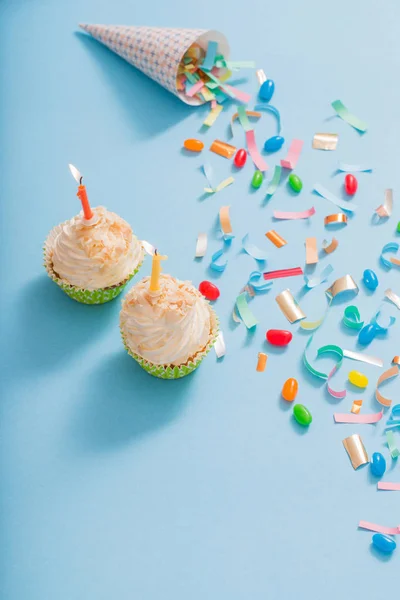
x=156, y=51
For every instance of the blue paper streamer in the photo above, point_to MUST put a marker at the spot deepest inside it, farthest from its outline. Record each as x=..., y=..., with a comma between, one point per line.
x=319, y=189
x=253, y=250
x=390, y=247
x=214, y=265
x=312, y=282
x=209, y=60
x=271, y=109
x=254, y=278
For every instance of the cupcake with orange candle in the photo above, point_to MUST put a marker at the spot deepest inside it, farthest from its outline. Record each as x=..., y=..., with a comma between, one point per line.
x=167, y=326
x=93, y=255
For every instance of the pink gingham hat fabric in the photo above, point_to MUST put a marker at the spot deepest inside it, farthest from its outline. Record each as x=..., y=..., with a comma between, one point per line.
x=156, y=51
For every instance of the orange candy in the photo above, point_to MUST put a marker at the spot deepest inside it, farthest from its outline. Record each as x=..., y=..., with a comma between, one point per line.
x=193, y=145
x=290, y=389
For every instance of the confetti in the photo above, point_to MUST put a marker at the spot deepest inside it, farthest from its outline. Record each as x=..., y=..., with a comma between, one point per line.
x=244, y=311
x=388, y=486
x=330, y=247
x=212, y=115
x=356, y=407
x=391, y=442
x=379, y=528
x=275, y=238
x=254, y=152
x=214, y=265
x=253, y=250
x=356, y=450
x=392, y=297
x=328, y=349
x=249, y=113
x=356, y=418
x=201, y=245
x=271, y=109
x=254, y=280
x=385, y=209
x=325, y=141
x=335, y=219
x=390, y=247
x=283, y=273
x=289, y=306
x=311, y=251
x=312, y=282
x=351, y=119
x=343, y=284
x=262, y=362
x=273, y=184
x=361, y=357
x=319, y=189
x=278, y=214
x=293, y=155
x=219, y=347
x=225, y=222
x=223, y=149
x=352, y=318
x=392, y=372
x=346, y=168
x=261, y=76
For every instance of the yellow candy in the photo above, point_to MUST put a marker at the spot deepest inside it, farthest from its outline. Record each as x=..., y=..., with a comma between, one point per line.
x=358, y=379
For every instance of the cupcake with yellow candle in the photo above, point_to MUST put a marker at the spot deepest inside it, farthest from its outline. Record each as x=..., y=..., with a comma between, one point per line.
x=93, y=255
x=167, y=326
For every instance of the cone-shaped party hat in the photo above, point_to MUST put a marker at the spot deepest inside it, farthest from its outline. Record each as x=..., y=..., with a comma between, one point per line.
x=156, y=51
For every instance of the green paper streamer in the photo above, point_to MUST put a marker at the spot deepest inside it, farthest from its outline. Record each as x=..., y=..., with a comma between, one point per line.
x=351, y=119
x=244, y=311
x=352, y=318
x=391, y=442
x=244, y=121
x=323, y=350
x=273, y=184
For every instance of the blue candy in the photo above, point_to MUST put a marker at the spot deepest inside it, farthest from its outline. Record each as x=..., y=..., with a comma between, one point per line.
x=367, y=334
x=383, y=543
x=370, y=279
x=267, y=90
x=377, y=464
x=274, y=143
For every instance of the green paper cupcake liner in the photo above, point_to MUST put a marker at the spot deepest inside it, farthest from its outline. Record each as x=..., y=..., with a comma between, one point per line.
x=176, y=372
x=100, y=296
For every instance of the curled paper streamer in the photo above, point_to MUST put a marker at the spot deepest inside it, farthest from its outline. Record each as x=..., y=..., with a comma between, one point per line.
x=244, y=311
x=392, y=297
x=330, y=348
x=347, y=116
x=356, y=407
x=254, y=282
x=396, y=360
x=330, y=247
x=201, y=245
x=338, y=395
x=238, y=94
x=275, y=238
x=361, y=357
x=356, y=450
x=225, y=222
x=346, y=168
x=352, y=318
x=385, y=209
x=273, y=184
x=274, y=111
x=379, y=528
x=254, y=152
x=208, y=174
x=391, y=442
x=313, y=325
x=293, y=155
x=311, y=251
x=219, y=346
x=380, y=328
x=392, y=372
x=351, y=418
x=388, y=486
x=335, y=219
x=252, y=250
x=262, y=362
x=289, y=306
x=213, y=115
x=305, y=214
x=244, y=121
x=343, y=284
x=223, y=149
x=390, y=247
x=261, y=76
x=319, y=189
x=312, y=282
x=249, y=113
x=325, y=141
x=148, y=248
x=214, y=265
x=283, y=273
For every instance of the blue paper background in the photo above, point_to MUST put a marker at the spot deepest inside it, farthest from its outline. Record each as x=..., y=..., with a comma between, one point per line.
x=117, y=485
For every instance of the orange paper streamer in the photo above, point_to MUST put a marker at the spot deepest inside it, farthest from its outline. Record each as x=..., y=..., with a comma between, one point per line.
x=357, y=404
x=223, y=149
x=311, y=251
x=262, y=362
x=225, y=220
x=336, y=218
x=396, y=360
x=392, y=372
x=330, y=247
x=276, y=239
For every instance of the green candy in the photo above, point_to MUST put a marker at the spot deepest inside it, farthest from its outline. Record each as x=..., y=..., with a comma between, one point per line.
x=295, y=183
x=257, y=180
x=302, y=415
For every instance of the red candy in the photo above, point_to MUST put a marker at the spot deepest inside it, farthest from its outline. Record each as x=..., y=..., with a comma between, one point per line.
x=350, y=184
x=240, y=158
x=209, y=290
x=279, y=337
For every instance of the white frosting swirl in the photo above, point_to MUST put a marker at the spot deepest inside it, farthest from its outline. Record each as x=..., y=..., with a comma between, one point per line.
x=167, y=327
x=96, y=254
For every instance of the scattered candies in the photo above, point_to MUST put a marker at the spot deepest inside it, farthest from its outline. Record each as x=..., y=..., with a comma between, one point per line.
x=302, y=415
x=358, y=379
x=267, y=90
x=240, y=158
x=209, y=290
x=262, y=362
x=367, y=334
x=383, y=543
x=350, y=184
x=279, y=337
x=290, y=389
x=273, y=144
x=295, y=182
x=257, y=180
x=378, y=464
x=193, y=145
x=370, y=279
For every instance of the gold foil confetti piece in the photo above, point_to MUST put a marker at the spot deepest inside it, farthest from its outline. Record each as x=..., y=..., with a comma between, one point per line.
x=385, y=209
x=356, y=450
x=392, y=372
x=276, y=239
x=289, y=306
x=392, y=297
x=357, y=404
x=261, y=76
x=225, y=220
x=311, y=251
x=330, y=247
x=343, y=284
x=396, y=360
x=262, y=362
x=335, y=219
x=223, y=149
x=201, y=245
x=325, y=141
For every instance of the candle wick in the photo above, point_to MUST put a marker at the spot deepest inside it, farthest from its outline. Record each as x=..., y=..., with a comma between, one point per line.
x=155, y=252
x=80, y=180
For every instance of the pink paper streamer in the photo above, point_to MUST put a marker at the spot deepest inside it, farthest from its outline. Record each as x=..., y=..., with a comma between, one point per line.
x=360, y=418
x=193, y=90
x=379, y=528
x=278, y=214
x=253, y=151
x=293, y=155
x=239, y=95
x=387, y=485
x=338, y=395
x=213, y=104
